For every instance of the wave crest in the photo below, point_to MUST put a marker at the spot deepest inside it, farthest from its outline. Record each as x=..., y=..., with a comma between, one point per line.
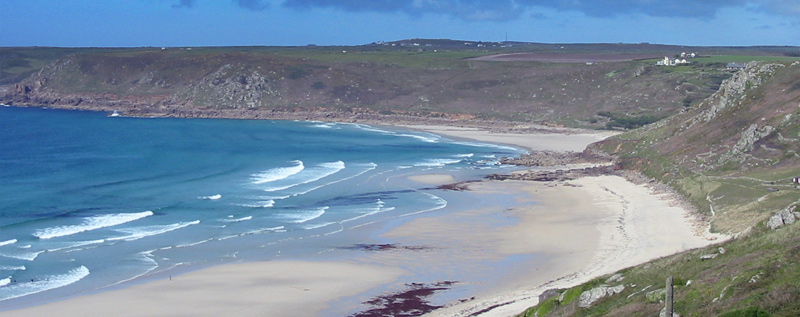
x=277, y=173
x=90, y=223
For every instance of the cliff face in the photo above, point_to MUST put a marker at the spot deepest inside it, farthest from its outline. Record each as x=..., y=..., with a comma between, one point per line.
x=735, y=153
x=164, y=82
x=751, y=121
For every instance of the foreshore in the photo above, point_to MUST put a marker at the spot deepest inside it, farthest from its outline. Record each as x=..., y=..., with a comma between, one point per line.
x=545, y=235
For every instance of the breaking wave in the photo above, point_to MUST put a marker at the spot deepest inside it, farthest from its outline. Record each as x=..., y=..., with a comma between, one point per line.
x=302, y=216
x=147, y=231
x=8, y=242
x=43, y=284
x=277, y=173
x=90, y=223
x=307, y=176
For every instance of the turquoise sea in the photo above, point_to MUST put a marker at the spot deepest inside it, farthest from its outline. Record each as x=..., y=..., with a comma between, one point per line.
x=90, y=202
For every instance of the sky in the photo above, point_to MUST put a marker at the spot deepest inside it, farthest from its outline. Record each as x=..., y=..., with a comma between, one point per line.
x=136, y=23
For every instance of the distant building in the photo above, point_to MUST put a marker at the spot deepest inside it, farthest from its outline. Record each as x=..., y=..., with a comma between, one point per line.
x=671, y=61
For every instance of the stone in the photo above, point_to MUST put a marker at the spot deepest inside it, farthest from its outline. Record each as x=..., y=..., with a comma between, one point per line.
x=708, y=256
x=781, y=218
x=591, y=296
x=615, y=278
x=553, y=292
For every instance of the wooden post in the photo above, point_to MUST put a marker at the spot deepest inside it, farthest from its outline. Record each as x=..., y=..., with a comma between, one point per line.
x=668, y=300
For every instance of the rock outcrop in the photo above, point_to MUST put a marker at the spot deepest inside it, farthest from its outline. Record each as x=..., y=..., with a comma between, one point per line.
x=591, y=296
x=732, y=91
x=783, y=217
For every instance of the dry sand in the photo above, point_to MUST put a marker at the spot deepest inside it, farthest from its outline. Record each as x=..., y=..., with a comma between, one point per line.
x=273, y=288
x=591, y=227
x=559, y=142
x=433, y=179
x=581, y=229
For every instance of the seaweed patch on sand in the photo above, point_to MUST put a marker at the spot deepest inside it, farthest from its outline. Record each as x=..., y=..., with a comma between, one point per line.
x=384, y=247
x=410, y=302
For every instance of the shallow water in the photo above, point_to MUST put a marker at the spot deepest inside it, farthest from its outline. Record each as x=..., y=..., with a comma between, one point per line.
x=89, y=202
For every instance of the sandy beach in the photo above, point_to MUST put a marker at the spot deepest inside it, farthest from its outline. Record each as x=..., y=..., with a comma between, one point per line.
x=544, y=235
x=575, y=141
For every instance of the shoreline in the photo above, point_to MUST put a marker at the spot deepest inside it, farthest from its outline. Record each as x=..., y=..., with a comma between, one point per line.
x=628, y=220
x=564, y=266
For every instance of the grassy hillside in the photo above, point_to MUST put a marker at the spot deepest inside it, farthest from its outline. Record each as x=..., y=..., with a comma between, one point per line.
x=733, y=156
x=424, y=78
x=757, y=273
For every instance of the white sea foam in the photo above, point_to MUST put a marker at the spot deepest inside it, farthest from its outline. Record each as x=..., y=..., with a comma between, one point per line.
x=238, y=219
x=27, y=256
x=147, y=231
x=8, y=242
x=370, y=128
x=259, y=231
x=212, y=197
x=13, y=268
x=379, y=207
x=429, y=138
x=43, y=284
x=193, y=243
x=489, y=145
x=5, y=281
x=440, y=203
x=271, y=197
x=259, y=204
x=325, y=125
x=369, y=167
x=301, y=216
x=318, y=225
x=90, y=223
x=277, y=173
x=76, y=244
x=436, y=162
x=146, y=258
x=308, y=176
x=465, y=155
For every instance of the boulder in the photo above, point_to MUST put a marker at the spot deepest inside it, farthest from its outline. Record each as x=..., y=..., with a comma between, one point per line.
x=550, y=293
x=708, y=256
x=781, y=218
x=591, y=296
x=615, y=278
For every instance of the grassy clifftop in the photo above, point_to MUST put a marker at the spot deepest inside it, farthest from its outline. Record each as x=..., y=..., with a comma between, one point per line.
x=419, y=81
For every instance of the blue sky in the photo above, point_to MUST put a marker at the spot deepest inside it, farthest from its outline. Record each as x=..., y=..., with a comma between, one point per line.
x=131, y=23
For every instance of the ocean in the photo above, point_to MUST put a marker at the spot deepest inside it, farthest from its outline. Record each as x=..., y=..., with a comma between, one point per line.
x=90, y=202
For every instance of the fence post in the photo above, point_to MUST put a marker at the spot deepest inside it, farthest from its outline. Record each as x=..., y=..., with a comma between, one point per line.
x=668, y=300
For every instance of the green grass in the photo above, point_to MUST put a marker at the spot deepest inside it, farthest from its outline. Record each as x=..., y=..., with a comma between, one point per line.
x=759, y=272
x=744, y=59
x=402, y=58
